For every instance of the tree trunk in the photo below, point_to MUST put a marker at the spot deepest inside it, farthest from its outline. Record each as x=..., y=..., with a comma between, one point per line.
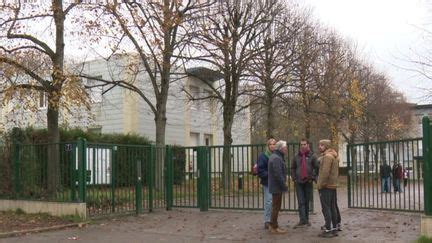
x=307, y=123
x=160, y=121
x=270, y=118
x=54, y=96
x=334, y=135
x=228, y=116
x=53, y=163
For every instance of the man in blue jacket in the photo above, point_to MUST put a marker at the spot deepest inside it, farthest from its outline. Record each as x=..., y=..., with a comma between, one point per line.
x=277, y=183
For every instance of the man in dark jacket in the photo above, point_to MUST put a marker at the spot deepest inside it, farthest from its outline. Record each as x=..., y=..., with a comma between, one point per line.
x=277, y=183
x=304, y=170
x=385, y=173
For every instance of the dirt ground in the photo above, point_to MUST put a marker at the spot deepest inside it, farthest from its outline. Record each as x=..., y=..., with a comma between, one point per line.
x=18, y=221
x=191, y=225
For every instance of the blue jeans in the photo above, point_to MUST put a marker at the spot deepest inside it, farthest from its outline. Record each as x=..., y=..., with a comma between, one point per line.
x=398, y=185
x=304, y=192
x=385, y=184
x=267, y=204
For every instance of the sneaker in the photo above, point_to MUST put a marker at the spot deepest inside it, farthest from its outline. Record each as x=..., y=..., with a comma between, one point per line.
x=266, y=225
x=327, y=234
x=299, y=225
x=339, y=227
x=323, y=228
x=276, y=230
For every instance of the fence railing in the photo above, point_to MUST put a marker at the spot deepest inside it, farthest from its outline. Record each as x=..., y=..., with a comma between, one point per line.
x=43, y=172
x=116, y=178
x=374, y=178
x=6, y=177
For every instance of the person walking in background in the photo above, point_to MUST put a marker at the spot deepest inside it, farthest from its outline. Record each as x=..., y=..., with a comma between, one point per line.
x=304, y=170
x=327, y=183
x=397, y=176
x=405, y=176
x=277, y=183
x=385, y=173
x=262, y=164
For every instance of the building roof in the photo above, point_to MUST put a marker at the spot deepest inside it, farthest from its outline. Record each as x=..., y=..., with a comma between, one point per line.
x=418, y=107
x=204, y=74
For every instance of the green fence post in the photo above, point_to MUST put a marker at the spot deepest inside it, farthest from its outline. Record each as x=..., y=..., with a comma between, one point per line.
x=169, y=177
x=427, y=166
x=17, y=179
x=349, y=174
x=151, y=172
x=138, y=188
x=82, y=163
x=113, y=177
x=73, y=178
x=203, y=179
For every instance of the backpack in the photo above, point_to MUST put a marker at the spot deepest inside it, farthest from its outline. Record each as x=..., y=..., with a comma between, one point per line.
x=255, y=169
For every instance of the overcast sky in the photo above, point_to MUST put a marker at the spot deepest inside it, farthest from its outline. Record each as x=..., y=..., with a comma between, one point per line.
x=385, y=31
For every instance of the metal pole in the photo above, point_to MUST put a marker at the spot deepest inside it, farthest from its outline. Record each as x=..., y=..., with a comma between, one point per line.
x=138, y=188
x=82, y=156
x=427, y=166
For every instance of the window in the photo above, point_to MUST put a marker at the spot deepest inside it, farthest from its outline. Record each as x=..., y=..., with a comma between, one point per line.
x=208, y=138
x=95, y=89
x=43, y=99
x=194, y=93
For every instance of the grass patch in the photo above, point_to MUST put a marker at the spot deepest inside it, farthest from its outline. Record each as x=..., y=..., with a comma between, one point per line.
x=19, y=211
x=424, y=239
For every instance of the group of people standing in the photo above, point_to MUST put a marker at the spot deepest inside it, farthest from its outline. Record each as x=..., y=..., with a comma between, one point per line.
x=397, y=173
x=306, y=168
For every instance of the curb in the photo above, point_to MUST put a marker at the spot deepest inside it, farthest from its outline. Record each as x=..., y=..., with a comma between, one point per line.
x=43, y=229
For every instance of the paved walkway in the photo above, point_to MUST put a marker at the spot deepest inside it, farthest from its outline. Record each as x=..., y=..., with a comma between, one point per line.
x=191, y=225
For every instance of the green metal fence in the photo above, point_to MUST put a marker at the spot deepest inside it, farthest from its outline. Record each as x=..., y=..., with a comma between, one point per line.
x=365, y=185
x=118, y=179
x=44, y=172
x=208, y=182
x=125, y=178
x=6, y=188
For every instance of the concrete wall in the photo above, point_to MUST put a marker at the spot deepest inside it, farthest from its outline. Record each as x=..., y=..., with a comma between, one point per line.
x=53, y=208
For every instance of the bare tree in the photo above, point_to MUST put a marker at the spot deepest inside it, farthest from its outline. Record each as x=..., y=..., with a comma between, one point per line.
x=39, y=56
x=333, y=82
x=224, y=40
x=155, y=31
x=305, y=72
x=271, y=69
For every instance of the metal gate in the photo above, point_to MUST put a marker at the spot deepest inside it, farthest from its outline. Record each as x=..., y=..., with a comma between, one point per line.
x=209, y=183
x=373, y=175
x=367, y=179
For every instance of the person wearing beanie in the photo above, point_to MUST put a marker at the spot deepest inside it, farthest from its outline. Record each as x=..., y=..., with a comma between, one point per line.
x=327, y=183
x=304, y=170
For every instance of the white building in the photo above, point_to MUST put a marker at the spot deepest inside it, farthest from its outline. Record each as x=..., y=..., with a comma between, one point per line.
x=118, y=110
